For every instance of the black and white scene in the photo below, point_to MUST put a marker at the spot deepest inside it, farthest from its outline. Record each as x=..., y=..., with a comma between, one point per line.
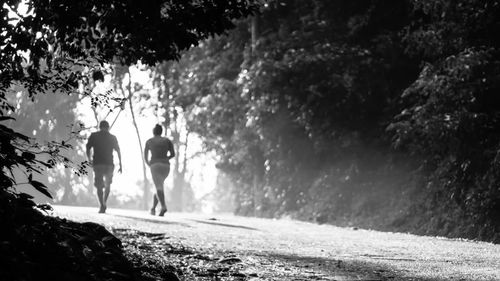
x=250, y=140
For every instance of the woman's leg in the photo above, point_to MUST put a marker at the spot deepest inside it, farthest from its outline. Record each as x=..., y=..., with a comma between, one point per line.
x=159, y=175
x=155, y=203
x=159, y=172
x=166, y=171
x=160, y=195
x=154, y=174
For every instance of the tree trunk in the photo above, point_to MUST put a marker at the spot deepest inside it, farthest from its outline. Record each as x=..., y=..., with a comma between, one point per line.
x=257, y=179
x=146, y=195
x=182, y=173
x=178, y=184
x=68, y=197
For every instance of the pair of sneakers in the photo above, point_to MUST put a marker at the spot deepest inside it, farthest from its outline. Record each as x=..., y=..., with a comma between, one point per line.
x=102, y=209
x=162, y=212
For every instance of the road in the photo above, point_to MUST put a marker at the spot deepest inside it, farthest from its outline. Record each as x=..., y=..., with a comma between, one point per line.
x=291, y=250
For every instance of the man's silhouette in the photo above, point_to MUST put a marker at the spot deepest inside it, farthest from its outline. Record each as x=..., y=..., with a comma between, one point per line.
x=103, y=143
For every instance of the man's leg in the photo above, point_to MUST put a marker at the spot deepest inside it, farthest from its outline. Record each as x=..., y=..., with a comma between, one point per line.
x=108, y=179
x=107, y=188
x=99, y=184
x=100, y=196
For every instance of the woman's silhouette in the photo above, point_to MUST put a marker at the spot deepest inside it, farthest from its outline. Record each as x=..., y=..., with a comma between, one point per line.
x=162, y=150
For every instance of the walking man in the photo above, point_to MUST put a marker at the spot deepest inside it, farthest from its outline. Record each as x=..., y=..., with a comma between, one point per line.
x=102, y=144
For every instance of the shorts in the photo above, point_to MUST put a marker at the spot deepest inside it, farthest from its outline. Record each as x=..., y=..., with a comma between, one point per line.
x=159, y=172
x=103, y=175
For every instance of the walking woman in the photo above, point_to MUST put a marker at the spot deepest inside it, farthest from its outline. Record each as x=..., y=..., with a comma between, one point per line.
x=162, y=150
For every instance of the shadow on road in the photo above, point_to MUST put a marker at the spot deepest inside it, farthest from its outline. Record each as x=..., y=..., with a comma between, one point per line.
x=347, y=270
x=225, y=224
x=152, y=220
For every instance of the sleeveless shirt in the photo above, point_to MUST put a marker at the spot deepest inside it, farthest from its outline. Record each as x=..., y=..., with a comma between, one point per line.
x=159, y=147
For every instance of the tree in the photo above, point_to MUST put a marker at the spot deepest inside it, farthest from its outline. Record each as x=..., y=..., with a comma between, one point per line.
x=122, y=80
x=450, y=116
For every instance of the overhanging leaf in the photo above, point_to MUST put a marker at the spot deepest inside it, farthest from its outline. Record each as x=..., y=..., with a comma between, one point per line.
x=41, y=187
x=3, y=118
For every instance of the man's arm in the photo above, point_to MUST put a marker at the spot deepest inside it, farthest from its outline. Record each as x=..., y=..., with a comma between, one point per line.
x=117, y=148
x=146, y=153
x=89, y=147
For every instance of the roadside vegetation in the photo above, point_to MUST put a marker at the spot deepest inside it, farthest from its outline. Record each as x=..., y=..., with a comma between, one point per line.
x=376, y=114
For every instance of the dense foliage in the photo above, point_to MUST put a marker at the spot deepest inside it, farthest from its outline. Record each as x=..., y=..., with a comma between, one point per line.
x=451, y=113
x=381, y=113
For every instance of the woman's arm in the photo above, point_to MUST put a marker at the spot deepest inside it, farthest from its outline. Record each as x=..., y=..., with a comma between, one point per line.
x=171, y=151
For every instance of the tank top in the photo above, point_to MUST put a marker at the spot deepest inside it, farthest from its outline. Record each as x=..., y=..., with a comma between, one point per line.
x=159, y=147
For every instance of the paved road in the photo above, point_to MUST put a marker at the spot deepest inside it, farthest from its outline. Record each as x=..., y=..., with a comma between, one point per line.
x=321, y=252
